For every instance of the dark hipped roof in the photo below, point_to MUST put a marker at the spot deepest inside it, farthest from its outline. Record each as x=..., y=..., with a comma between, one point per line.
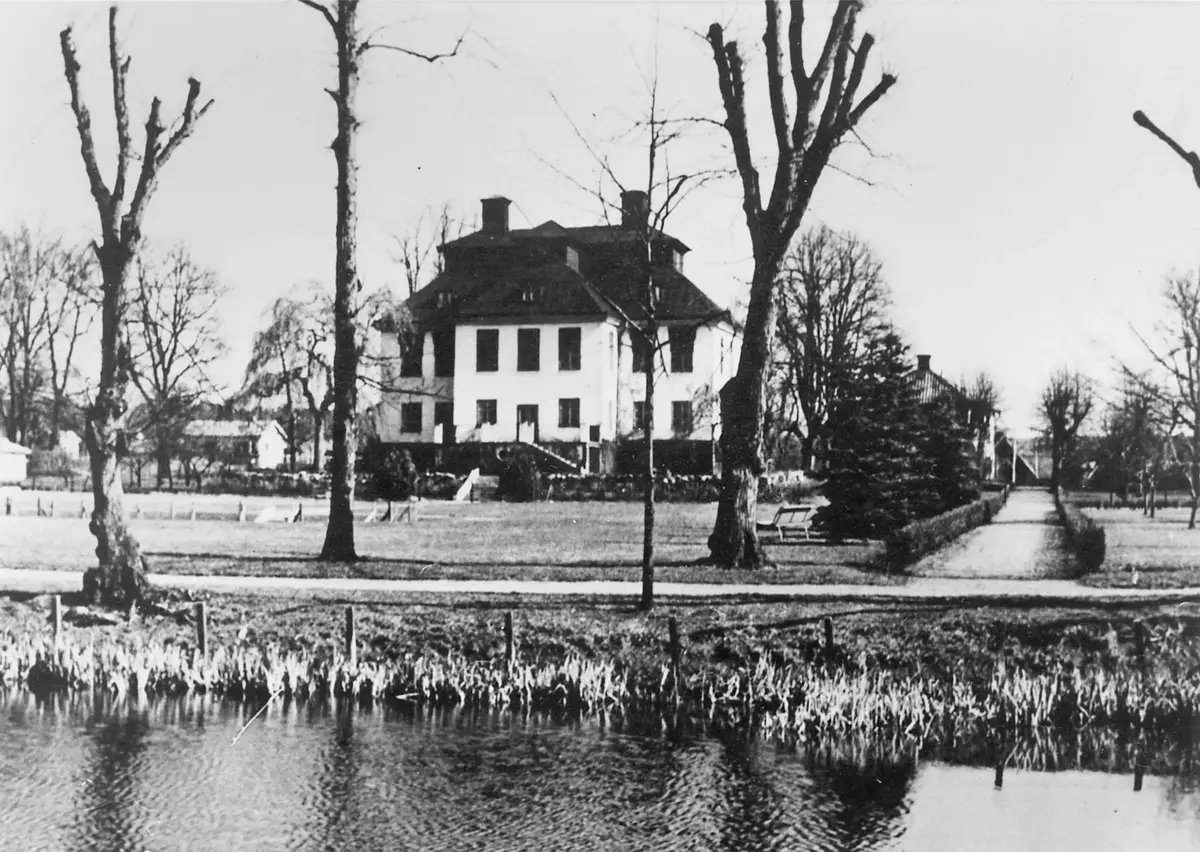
x=932, y=387
x=555, y=288
x=590, y=235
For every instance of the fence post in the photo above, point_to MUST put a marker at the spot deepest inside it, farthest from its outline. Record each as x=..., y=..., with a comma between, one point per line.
x=82, y=509
x=351, y=638
x=193, y=517
x=202, y=628
x=299, y=516
x=8, y=505
x=509, y=638
x=827, y=624
x=56, y=616
x=999, y=781
x=52, y=508
x=40, y=513
x=172, y=515
x=676, y=650
x=241, y=511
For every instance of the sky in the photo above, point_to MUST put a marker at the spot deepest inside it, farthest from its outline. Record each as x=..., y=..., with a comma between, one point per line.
x=1024, y=222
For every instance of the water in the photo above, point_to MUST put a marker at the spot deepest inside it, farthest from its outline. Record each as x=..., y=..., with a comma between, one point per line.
x=165, y=775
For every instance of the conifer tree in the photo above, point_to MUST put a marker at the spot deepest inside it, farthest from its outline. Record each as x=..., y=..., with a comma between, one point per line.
x=949, y=450
x=878, y=478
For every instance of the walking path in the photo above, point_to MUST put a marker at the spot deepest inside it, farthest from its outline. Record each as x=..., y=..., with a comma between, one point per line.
x=1024, y=541
x=970, y=592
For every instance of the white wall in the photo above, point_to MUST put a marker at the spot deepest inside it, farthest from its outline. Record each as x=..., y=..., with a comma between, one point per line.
x=605, y=384
x=593, y=384
x=700, y=386
x=429, y=390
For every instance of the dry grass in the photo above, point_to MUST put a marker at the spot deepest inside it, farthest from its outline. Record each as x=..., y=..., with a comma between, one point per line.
x=551, y=541
x=908, y=671
x=1155, y=553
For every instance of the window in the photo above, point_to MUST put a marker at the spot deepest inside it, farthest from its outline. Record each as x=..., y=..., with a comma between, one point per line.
x=639, y=416
x=410, y=417
x=444, y=299
x=443, y=352
x=412, y=347
x=487, y=350
x=681, y=417
x=683, y=341
x=568, y=413
x=529, y=349
x=485, y=412
x=568, y=348
x=641, y=350
x=443, y=413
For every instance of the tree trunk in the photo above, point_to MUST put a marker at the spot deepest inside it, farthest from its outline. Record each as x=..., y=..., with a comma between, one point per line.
x=339, y=535
x=162, y=455
x=318, y=450
x=120, y=577
x=648, y=486
x=1194, y=483
x=807, y=443
x=734, y=539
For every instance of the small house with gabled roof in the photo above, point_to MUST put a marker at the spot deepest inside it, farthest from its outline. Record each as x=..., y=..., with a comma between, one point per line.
x=979, y=418
x=531, y=336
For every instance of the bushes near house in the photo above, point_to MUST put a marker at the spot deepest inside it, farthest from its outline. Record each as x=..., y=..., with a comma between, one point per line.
x=628, y=487
x=1085, y=535
x=913, y=541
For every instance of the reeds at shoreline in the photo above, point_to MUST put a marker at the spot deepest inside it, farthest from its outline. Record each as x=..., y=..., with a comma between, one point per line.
x=803, y=700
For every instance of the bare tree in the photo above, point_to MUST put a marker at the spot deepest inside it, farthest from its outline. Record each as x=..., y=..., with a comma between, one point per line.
x=418, y=251
x=1066, y=403
x=983, y=400
x=825, y=112
x=831, y=301
x=120, y=576
x=1137, y=444
x=1178, y=357
x=174, y=340
x=342, y=18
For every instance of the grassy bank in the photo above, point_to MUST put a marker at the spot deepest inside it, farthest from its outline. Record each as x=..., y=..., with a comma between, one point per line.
x=914, y=671
x=1159, y=552
x=555, y=541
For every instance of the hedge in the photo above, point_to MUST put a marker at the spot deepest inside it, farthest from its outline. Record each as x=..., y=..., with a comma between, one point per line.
x=920, y=538
x=670, y=488
x=1085, y=535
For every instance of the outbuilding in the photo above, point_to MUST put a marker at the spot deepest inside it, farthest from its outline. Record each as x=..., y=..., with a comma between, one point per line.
x=14, y=462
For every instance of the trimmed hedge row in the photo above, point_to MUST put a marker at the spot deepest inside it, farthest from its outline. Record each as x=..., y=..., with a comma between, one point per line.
x=627, y=487
x=920, y=538
x=1085, y=535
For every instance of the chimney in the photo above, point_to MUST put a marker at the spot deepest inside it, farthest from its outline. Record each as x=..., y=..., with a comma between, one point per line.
x=635, y=209
x=495, y=215
x=923, y=363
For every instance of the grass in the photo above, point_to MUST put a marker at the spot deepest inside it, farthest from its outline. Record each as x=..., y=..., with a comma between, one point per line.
x=543, y=541
x=912, y=671
x=1159, y=552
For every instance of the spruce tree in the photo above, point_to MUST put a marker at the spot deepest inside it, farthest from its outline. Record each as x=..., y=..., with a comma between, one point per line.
x=949, y=450
x=878, y=476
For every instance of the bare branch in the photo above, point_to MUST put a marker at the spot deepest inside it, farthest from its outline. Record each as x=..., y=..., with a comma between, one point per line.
x=324, y=10
x=416, y=54
x=87, y=145
x=1189, y=157
x=119, y=71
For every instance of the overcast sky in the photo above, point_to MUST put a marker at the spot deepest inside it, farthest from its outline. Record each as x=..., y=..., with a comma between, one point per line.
x=1023, y=220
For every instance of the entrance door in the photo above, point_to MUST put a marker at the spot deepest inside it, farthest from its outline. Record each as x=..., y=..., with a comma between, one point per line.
x=527, y=423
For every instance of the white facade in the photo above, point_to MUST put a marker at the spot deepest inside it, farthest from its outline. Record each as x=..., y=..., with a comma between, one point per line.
x=605, y=385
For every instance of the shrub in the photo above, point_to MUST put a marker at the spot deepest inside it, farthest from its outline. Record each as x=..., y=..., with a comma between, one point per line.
x=920, y=538
x=786, y=491
x=1085, y=535
x=520, y=480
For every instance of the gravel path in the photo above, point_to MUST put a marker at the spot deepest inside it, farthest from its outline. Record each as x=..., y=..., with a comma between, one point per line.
x=1025, y=541
x=963, y=591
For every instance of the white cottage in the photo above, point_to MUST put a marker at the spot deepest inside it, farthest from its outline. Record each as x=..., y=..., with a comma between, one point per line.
x=14, y=462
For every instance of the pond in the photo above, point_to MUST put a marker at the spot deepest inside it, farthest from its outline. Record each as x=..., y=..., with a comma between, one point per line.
x=105, y=775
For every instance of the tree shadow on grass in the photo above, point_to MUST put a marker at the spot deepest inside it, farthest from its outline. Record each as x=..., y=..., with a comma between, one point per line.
x=418, y=563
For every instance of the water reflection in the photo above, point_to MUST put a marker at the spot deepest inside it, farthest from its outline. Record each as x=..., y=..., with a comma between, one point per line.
x=166, y=775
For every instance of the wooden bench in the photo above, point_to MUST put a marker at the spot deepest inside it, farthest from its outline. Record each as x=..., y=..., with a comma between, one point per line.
x=795, y=517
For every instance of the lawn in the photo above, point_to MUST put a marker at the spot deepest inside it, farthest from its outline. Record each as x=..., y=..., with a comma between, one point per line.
x=1158, y=553
x=552, y=541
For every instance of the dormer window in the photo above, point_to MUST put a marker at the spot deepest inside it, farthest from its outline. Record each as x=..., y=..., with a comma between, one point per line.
x=444, y=299
x=530, y=293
